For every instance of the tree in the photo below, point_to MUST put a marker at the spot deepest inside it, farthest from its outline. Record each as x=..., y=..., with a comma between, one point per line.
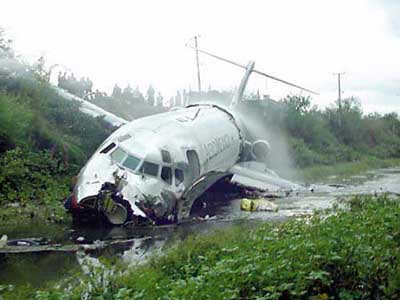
x=300, y=104
x=345, y=121
x=160, y=99
x=117, y=92
x=40, y=71
x=6, y=50
x=150, y=95
x=137, y=94
x=127, y=93
x=178, y=99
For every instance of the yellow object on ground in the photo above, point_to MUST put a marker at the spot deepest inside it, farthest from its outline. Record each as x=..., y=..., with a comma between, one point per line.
x=258, y=205
x=3, y=241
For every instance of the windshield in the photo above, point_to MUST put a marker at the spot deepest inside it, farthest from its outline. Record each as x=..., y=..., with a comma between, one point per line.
x=131, y=162
x=121, y=157
x=118, y=155
x=149, y=168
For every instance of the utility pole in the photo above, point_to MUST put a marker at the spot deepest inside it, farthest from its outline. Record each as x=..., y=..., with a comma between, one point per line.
x=339, y=97
x=197, y=62
x=339, y=88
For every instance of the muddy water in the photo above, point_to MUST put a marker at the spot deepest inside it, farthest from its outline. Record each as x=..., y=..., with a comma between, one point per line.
x=60, y=250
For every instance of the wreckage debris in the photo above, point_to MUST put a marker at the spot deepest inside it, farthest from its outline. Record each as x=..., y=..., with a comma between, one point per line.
x=38, y=245
x=80, y=239
x=259, y=204
x=3, y=241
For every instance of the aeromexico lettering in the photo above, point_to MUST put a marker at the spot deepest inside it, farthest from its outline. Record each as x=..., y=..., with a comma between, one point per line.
x=217, y=145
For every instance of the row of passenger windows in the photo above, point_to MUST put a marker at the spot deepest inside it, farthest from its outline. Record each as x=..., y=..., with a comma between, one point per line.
x=132, y=162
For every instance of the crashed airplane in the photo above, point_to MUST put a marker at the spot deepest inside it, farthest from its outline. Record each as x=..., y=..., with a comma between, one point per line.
x=154, y=168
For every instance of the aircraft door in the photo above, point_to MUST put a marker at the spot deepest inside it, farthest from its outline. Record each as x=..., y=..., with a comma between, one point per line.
x=194, y=163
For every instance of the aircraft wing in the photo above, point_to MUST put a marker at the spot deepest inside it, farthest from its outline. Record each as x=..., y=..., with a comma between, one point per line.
x=255, y=175
x=92, y=109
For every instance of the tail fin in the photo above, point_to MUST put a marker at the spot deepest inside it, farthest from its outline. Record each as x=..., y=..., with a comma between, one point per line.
x=240, y=90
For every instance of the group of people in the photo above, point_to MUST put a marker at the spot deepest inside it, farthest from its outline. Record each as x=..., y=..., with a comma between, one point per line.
x=82, y=87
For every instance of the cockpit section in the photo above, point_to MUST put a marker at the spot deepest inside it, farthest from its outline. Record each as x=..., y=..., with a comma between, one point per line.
x=163, y=170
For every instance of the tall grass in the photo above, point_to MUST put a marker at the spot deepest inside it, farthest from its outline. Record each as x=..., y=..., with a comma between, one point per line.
x=318, y=172
x=345, y=254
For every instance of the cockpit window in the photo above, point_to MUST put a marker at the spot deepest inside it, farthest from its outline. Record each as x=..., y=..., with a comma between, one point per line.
x=131, y=162
x=178, y=177
x=118, y=155
x=166, y=175
x=149, y=168
x=108, y=148
x=166, y=157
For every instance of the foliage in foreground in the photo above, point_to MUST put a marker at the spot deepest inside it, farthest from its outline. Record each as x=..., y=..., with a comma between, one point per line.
x=43, y=137
x=32, y=186
x=347, y=254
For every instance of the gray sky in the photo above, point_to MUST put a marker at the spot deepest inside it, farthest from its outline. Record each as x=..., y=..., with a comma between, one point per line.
x=143, y=42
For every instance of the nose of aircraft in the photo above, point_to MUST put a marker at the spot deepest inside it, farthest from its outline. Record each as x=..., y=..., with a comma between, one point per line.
x=120, y=207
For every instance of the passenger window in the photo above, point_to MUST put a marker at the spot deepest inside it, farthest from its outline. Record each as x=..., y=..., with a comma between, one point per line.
x=149, y=168
x=166, y=175
x=166, y=157
x=178, y=177
x=108, y=148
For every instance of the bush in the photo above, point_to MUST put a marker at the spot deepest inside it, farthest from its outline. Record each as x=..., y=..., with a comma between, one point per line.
x=32, y=177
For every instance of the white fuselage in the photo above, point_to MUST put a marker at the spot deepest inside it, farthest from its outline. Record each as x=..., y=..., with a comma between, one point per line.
x=195, y=141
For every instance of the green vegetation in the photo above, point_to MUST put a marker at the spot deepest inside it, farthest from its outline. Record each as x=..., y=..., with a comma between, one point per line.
x=44, y=139
x=340, y=254
x=345, y=169
x=347, y=253
x=127, y=103
x=337, y=137
x=339, y=133
x=319, y=142
x=29, y=180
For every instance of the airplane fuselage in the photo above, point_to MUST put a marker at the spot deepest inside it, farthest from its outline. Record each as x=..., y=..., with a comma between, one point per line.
x=153, y=161
x=156, y=167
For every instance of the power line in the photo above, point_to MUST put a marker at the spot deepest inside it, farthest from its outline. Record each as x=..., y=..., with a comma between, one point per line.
x=254, y=70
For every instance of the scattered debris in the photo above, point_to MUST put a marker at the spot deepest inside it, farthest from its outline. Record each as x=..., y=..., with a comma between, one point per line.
x=337, y=185
x=3, y=241
x=28, y=246
x=258, y=205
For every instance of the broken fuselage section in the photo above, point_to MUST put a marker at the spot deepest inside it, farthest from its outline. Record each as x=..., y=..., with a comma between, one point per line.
x=152, y=169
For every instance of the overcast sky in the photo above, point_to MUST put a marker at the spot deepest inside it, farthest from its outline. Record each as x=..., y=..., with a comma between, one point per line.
x=143, y=42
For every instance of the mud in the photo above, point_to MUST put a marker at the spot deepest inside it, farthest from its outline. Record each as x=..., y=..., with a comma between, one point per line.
x=51, y=252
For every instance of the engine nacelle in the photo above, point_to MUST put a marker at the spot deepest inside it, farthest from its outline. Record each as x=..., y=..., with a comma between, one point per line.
x=259, y=150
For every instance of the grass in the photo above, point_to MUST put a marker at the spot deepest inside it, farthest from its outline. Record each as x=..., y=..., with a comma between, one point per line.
x=341, y=254
x=344, y=169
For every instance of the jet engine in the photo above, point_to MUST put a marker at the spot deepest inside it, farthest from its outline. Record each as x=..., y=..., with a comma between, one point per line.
x=259, y=150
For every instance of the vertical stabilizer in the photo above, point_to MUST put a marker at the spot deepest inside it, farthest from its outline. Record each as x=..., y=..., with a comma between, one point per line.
x=240, y=90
